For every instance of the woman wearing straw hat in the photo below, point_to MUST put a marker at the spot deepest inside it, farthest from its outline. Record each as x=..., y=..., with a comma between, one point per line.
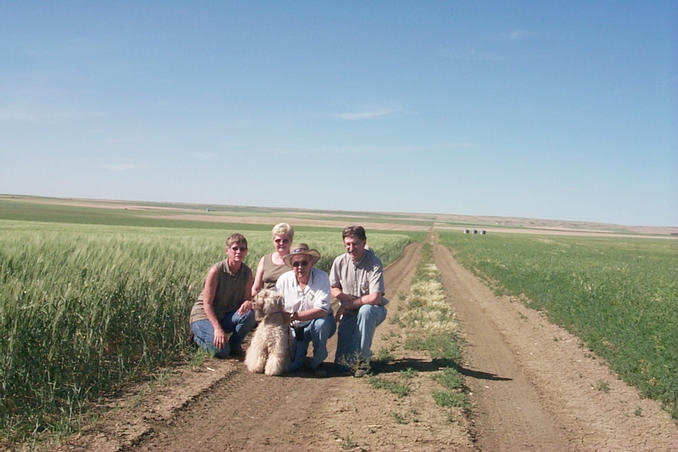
x=306, y=291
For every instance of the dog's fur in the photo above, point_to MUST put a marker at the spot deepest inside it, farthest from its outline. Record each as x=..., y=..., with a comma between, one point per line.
x=269, y=351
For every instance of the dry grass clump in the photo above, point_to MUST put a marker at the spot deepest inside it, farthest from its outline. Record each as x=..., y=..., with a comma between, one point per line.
x=427, y=307
x=430, y=325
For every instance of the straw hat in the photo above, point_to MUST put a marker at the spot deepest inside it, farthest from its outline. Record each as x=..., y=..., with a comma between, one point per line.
x=301, y=249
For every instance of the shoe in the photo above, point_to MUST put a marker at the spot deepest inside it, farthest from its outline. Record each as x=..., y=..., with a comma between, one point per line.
x=339, y=369
x=319, y=372
x=359, y=373
x=237, y=352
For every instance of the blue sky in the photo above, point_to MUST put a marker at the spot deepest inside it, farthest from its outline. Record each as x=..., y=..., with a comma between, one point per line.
x=549, y=109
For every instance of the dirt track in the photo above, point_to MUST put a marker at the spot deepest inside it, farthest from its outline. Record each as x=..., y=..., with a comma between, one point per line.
x=536, y=388
x=533, y=386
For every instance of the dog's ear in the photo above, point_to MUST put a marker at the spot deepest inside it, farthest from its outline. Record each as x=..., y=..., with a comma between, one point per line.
x=258, y=304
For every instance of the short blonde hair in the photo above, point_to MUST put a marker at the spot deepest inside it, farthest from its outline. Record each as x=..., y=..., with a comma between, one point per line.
x=284, y=229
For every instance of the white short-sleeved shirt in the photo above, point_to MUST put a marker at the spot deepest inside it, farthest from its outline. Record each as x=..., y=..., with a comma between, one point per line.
x=315, y=295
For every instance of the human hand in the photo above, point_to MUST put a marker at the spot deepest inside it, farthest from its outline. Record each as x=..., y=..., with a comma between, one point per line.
x=347, y=301
x=339, y=314
x=219, y=338
x=245, y=307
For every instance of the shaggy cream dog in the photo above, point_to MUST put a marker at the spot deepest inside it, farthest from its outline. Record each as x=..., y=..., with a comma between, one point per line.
x=269, y=351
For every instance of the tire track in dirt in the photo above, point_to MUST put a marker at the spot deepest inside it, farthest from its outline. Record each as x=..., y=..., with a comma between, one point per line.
x=508, y=414
x=533, y=384
x=253, y=412
x=220, y=405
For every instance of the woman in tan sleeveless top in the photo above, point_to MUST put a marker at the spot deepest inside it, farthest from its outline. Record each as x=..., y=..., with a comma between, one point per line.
x=271, y=266
x=224, y=306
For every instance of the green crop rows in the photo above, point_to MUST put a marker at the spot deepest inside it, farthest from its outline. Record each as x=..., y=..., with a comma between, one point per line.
x=619, y=295
x=84, y=307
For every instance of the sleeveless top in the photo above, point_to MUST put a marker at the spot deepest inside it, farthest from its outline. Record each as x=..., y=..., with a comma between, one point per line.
x=272, y=272
x=229, y=293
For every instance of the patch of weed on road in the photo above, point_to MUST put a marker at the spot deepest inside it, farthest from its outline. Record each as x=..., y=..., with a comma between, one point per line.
x=429, y=325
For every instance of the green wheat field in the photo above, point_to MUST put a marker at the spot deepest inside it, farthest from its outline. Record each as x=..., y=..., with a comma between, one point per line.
x=619, y=295
x=91, y=298
x=85, y=307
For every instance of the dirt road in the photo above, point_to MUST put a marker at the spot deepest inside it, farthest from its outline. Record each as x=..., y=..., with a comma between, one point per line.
x=533, y=388
x=536, y=388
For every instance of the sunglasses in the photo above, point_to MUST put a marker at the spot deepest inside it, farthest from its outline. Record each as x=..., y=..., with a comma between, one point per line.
x=282, y=241
x=298, y=263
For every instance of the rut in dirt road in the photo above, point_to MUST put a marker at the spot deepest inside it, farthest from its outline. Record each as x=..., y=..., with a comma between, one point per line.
x=509, y=415
x=254, y=412
x=532, y=388
x=533, y=383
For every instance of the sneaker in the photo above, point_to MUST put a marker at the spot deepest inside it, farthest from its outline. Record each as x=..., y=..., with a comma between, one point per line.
x=339, y=369
x=319, y=372
x=237, y=352
x=359, y=373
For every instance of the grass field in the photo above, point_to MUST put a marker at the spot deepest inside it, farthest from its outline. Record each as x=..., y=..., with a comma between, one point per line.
x=84, y=307
x=619, y=295
x=152, y=214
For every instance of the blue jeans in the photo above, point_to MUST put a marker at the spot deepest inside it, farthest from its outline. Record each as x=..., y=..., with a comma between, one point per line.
x=232, y=322
x=355, y=334
x=318, y=331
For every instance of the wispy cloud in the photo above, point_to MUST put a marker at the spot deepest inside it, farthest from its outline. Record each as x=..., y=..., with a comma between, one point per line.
x=120, y=167
x=518, y=35
x=370, y=113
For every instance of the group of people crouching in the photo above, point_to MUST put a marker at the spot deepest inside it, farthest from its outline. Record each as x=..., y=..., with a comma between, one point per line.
x=356, y=281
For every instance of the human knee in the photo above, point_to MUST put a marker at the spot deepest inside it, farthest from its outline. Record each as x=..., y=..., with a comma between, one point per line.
x=325, y=326
x=369, y=313
x=203, y=334
x=247, y=321
x=208, y=345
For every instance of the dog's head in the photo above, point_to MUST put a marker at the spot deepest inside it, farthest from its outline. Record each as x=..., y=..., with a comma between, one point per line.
x=267, y=302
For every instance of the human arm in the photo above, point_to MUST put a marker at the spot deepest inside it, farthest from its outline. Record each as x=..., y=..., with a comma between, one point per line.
x=336, y=289
x=342, y=297
x=258, y=278
x=309, y=314
x=208, y=293
x=375, y=285
x=246, y=302
x=351, y=302
x=357, y=302
x=370, y=284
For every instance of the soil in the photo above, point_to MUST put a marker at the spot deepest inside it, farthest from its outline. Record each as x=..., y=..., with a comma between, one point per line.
x=532, y=385
x=419, y=221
